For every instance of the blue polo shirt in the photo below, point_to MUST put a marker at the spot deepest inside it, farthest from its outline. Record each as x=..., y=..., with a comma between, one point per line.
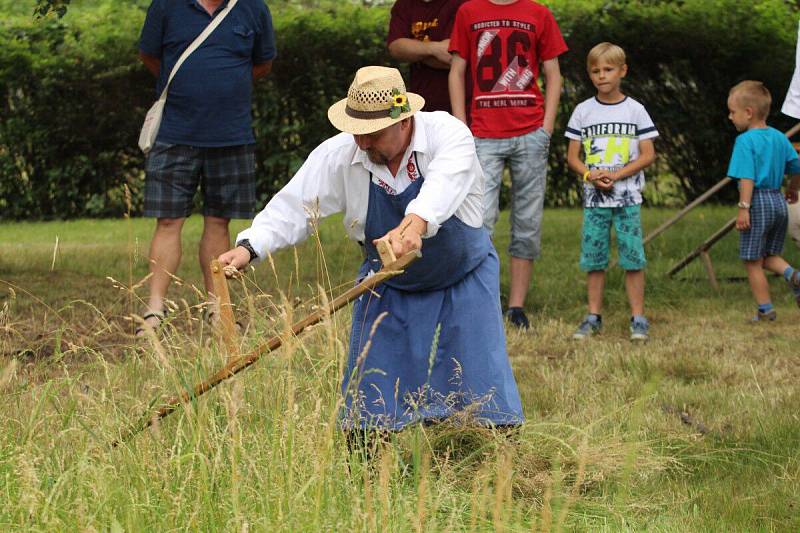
x=209, y=99
x=763, y=155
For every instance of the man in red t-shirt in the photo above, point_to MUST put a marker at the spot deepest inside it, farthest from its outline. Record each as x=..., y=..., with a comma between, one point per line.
x=501, y=43
x=419, y=33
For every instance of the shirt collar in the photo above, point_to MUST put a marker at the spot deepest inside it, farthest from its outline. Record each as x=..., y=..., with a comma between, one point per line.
x=419, y=139
x=419, y=143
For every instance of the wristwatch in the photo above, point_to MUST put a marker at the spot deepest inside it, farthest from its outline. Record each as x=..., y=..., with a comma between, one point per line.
x=743, y=205
x=245, y=243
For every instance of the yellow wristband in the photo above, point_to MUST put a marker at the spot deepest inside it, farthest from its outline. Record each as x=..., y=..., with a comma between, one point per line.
x=586, y=175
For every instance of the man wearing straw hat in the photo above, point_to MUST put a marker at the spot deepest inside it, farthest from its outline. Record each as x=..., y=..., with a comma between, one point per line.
x=411, y=178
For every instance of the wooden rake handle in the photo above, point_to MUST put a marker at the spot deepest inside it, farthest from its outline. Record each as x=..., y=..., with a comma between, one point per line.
x=237, y=364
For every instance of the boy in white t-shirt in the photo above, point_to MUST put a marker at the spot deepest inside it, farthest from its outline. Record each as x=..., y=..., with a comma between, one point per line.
x=616, y=135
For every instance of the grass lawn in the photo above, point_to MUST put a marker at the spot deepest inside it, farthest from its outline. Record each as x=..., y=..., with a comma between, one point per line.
x=697, y=430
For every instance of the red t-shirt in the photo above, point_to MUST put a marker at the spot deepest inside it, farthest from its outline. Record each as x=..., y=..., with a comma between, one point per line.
x=503, y=46
x=425, y=21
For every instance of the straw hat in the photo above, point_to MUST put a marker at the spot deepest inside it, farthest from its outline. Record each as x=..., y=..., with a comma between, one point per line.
x=377, y=99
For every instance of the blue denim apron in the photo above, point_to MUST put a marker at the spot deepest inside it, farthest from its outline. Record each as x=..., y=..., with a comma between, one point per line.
x=403, y=372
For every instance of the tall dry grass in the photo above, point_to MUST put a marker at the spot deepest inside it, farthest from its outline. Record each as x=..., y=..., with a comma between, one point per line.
x=693, y=431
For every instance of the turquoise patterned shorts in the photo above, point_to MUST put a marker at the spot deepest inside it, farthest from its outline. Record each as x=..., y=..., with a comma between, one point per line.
x=597, y=237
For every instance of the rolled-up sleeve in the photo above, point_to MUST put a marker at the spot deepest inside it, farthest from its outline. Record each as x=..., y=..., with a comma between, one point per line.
x=450, y=176
x=315, y=191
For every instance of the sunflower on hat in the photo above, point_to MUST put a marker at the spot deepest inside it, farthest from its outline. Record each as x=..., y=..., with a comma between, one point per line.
x=399, y=103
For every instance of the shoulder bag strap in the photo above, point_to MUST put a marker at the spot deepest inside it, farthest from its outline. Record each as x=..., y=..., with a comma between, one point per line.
x=197, y=42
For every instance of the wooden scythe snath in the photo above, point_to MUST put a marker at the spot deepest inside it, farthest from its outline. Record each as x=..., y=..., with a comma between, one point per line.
x=392, y=267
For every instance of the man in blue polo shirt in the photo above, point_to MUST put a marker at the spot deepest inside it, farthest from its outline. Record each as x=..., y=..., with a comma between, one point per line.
x=206, y=135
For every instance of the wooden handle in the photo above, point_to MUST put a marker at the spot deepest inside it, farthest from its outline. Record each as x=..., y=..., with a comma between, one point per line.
x=385, y=252
x=225, y=309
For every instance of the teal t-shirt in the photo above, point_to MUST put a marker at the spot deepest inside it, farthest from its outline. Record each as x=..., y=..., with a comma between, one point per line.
x=765, y=156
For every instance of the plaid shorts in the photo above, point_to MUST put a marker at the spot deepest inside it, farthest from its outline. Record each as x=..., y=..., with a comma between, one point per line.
x=596, y=239
x=769, y=218
x=226, y=175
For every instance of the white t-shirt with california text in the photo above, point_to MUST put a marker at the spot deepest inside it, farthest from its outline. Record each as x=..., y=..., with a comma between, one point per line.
x=610, y=135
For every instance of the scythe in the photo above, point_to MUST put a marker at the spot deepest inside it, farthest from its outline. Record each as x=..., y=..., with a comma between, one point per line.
x=392, y=267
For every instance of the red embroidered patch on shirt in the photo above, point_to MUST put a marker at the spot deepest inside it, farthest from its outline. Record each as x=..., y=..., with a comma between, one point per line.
x=385, y=186
x=411, y=169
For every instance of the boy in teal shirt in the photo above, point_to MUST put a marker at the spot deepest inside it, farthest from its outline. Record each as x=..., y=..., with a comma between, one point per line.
x=761, y=157
x=616, y=135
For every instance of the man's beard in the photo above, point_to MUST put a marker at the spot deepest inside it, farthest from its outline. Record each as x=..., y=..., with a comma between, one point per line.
x=377, y=157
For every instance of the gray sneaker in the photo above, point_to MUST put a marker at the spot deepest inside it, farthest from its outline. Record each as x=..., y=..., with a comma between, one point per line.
x=587, y=328
x=639, y=329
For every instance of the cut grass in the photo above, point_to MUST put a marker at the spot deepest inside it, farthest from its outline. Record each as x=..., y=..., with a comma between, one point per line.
x=695, y=431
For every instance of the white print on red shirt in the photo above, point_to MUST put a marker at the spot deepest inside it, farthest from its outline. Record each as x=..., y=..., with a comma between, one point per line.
x=485, y=40
x=524, y=79
x=513, y=80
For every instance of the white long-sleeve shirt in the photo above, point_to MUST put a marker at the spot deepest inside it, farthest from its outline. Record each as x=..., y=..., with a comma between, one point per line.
x=791, y=106
x=335, y=178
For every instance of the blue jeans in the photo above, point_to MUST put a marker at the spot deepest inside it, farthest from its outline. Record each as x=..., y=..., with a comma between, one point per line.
x=526, y=156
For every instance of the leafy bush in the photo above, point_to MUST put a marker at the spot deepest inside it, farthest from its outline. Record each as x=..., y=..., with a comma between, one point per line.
x=318, y=53
x=73, y=97
x=74, y=93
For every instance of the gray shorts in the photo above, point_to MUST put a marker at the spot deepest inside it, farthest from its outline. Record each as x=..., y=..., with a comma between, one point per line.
x=526, y=156
x=226, y=176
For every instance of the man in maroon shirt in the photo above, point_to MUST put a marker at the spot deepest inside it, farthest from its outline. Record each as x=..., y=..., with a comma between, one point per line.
x=419, y=33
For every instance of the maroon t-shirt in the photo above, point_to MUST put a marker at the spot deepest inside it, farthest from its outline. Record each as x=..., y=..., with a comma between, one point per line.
x=425, y=21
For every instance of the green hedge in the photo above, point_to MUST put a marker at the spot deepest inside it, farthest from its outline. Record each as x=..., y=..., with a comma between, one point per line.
x=318, y=53
x=74, y=93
